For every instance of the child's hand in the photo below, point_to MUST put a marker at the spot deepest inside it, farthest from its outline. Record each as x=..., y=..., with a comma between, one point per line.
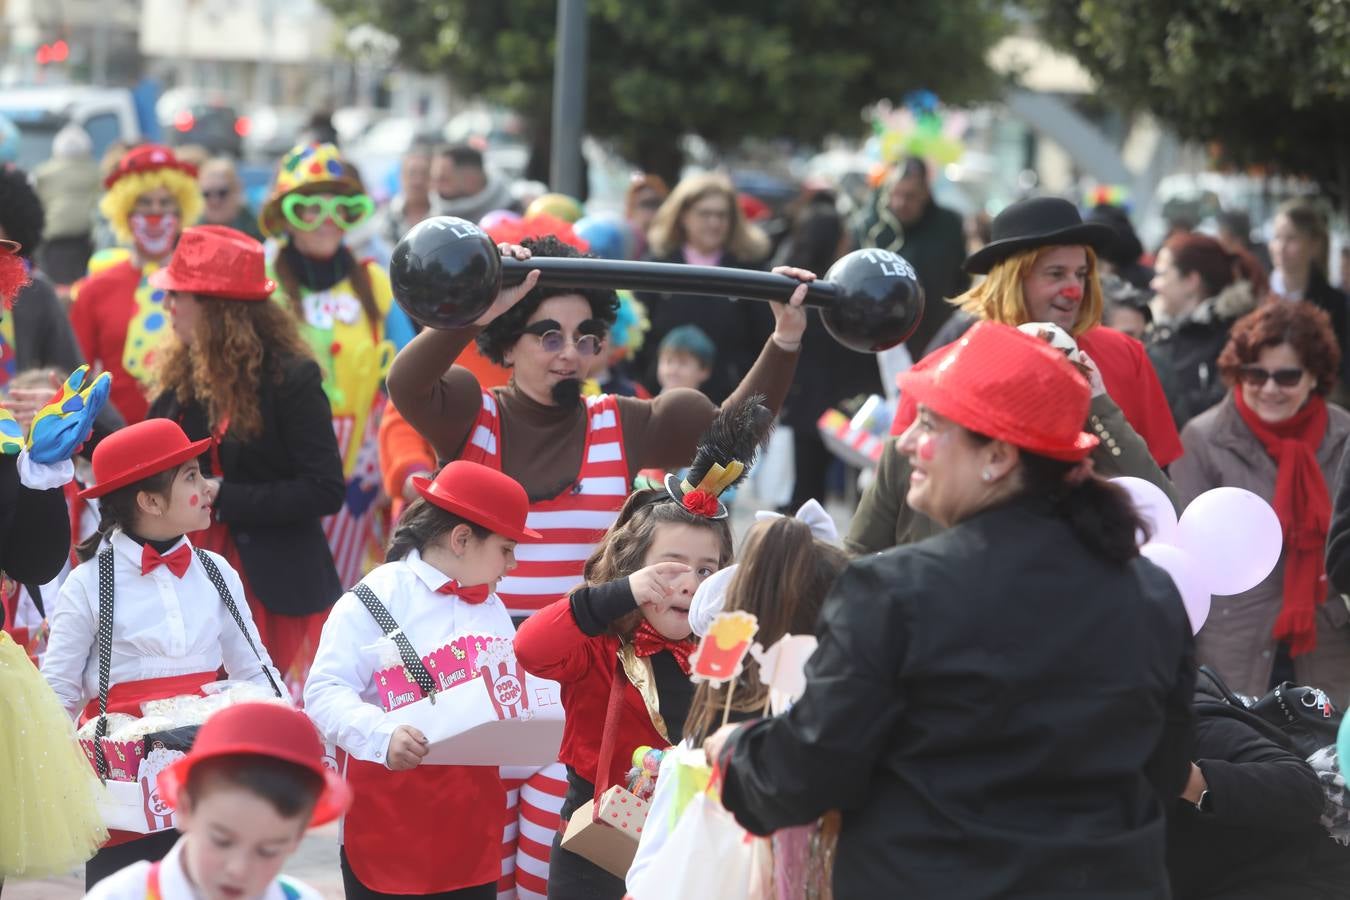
x=654, y=585
x=407, y=748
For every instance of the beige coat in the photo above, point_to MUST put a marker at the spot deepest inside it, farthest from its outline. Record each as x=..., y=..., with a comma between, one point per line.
x=1236, y=640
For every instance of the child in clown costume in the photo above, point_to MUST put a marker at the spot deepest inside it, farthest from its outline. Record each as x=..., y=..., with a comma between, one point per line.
x=347, y=315
x=119, y=318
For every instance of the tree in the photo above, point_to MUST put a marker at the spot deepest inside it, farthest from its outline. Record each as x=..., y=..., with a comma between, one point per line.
x=798, y=69
x=1267, y=84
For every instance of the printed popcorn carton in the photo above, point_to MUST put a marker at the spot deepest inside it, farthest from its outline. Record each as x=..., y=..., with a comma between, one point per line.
x=453, y=664
x=496, y=715
x=136, y=806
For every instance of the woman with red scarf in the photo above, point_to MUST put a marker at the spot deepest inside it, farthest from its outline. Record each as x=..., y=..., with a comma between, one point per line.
x=1275, y=435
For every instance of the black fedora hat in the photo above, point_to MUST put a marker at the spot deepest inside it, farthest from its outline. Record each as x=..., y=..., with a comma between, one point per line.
x=1037, y=222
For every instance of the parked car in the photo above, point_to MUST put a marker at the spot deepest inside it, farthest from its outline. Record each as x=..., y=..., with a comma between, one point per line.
x=107, y=114
x=205, y=118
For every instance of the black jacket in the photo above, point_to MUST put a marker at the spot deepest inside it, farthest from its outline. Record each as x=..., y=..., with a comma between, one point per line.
x=738, y=329
x=276, y=487
x=995, y=710
x=1259, y=836
x=1327, y=298
x=1188, y=349
x=34, y=529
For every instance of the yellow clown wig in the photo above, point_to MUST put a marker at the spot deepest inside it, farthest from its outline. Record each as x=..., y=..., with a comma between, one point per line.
x=999, y=297
x=120, y=200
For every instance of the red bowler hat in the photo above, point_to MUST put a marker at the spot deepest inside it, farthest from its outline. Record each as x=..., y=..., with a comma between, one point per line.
x=147, y=158
x=216, y=261
x=139, y=451
x=1013, y=387
x=262, y=729
x=482, y=495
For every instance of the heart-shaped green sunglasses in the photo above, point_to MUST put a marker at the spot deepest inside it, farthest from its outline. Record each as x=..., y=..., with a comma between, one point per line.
x=307, y=211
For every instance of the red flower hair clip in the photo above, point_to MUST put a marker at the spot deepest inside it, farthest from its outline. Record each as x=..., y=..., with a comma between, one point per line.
x=700, y=503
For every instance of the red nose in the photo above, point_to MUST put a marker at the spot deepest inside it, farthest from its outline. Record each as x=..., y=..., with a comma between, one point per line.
x=1072, y=292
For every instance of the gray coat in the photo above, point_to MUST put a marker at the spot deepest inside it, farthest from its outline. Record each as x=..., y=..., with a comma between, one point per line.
x=1236, y=639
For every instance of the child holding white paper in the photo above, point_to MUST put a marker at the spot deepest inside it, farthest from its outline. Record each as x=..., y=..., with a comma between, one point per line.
x=634, y=611
x=414, y=829
x=785, y=570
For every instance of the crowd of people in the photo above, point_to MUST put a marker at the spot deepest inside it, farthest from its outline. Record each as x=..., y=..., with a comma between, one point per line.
x=280, y=478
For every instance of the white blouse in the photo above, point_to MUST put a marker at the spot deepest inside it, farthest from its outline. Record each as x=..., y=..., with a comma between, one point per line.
x=341, y=696
x=162, y=626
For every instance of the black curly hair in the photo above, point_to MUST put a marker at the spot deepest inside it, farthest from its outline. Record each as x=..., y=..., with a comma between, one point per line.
x=502, y=332
x=21, y=214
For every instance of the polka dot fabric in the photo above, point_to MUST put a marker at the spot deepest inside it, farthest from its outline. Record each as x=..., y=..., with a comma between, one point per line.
x=412, y=662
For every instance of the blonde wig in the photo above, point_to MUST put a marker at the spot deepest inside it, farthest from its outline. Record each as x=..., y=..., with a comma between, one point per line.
x=744, y=240
x=120, y=200
x=999, y=296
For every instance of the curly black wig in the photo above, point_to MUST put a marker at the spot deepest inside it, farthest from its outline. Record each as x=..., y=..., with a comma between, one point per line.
x=502, y=332
x=21, y=214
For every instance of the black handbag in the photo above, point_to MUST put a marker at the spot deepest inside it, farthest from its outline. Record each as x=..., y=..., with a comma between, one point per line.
x=1300, y=718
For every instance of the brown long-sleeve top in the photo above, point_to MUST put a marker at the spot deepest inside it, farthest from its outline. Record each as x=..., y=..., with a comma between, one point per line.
x=542, y=445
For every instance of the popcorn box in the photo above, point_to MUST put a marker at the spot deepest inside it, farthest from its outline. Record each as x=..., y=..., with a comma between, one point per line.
x=452, y=665
x=124, y=757
x=500, y=716
x=611, y=839
x=136, y=806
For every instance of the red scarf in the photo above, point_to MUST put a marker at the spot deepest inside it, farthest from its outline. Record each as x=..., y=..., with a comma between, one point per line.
x=1303, y=505
x=647, y=641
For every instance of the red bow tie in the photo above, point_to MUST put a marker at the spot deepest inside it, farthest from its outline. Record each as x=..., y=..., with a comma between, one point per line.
x=177, y=561
x=649, y=642
x=475, y=595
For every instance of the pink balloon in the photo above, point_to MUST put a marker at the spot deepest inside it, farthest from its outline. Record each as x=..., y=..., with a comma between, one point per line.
x=1187, y=575
x=1154, y=508
x=496, y=217
x=1235, y=537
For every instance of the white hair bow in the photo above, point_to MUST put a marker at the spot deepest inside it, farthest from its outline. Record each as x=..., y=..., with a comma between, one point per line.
x=815, y=517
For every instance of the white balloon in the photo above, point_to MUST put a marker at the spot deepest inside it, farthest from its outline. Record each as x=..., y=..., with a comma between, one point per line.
x=1187, y=574
x=1235, y=537
x=1154, y=507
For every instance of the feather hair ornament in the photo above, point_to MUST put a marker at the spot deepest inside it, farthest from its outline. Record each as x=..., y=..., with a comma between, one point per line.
x=723, y=458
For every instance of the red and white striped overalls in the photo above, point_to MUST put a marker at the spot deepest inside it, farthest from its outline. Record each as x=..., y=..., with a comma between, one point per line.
x=572, y=525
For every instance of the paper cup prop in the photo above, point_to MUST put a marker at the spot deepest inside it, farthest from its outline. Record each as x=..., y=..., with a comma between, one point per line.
x=720, y=656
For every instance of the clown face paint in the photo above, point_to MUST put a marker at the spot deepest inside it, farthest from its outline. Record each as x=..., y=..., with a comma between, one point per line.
x=1053, y=289
x=155, y=234
x=945, y=467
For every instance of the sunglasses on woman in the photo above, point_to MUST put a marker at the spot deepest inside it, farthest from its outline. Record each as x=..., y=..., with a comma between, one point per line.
x=1255, y=376
x=308, y=211
x=553, y=340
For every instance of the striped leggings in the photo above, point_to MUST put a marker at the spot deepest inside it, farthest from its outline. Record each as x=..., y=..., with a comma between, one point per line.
x=533, y=801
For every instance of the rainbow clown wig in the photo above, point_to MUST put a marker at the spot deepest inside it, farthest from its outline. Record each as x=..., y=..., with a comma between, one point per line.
x=143, y=169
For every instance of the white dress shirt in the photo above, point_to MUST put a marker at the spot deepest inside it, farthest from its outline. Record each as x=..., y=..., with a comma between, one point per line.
x=130, y=883
x=341, y=696
x=162, y=626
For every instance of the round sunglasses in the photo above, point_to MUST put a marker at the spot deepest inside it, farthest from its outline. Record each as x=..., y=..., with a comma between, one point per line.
x=1255, y=376
x=308, y=211
x=553, y=340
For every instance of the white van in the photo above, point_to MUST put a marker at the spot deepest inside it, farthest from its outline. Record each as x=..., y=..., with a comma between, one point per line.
x=108, y=114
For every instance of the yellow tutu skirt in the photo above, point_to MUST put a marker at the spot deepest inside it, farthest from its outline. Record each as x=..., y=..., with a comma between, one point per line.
x=48, y=819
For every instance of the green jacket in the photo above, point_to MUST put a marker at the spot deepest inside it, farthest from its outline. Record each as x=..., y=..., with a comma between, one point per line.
x=884, y=519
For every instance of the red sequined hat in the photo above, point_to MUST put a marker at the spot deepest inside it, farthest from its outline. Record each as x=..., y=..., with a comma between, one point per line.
x=482, y=495
x=217, y=261
x=147, y=158
x=269, y=730
x=1010, y=386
